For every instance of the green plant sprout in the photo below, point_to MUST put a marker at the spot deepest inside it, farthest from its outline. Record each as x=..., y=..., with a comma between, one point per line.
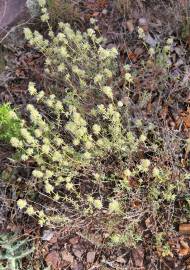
x=9, y=123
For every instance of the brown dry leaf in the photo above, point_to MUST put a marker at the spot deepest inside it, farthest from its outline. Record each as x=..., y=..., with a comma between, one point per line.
x=130, y=26
x=138, y=256
x=78, y=251
x=164, y=112
x=90, y=257
x=95, y=14
x=74, y=240
x=77, y=266
x=120, y=259
x=67, y=256
x=96, y=5
x=184, y=228
x=139, y=51
x=149, y=222
x=96, y=239
x=54, y=238
x=187, y=148
x=184, y=249
x=53, y=259
x=186, y=118
x=136, y=204
x=184, y=244
x=132, y=56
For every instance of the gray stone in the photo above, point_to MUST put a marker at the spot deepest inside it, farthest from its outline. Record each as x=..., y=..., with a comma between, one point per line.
x=14, y=14
x=11, y=12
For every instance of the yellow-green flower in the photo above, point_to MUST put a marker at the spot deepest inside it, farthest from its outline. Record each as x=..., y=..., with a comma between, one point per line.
x=128, y=77
x=30, y=211
x=156, y=172
x=97, y=204
x=107, y=91
x=21, y=203
x=96, y=129
x=114, y=206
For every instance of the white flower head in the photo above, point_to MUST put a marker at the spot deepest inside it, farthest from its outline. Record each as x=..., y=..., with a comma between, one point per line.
x=15, y=142
x=13, y=115
x=37, y=174
x=21, y=203
x=48, y=187
x=151, y=52
x=44, y=17
x=97, y=204
x=24, y=157
x=42, y=3
x=167, y=49
x=120, y=104
x=45, y=149
x=107, y=91
x=96, y=129
x=114, y=206
x=170, y=41
x=69, y=186
x=30, y=211
x=93, y=21
x=141, y=33
x=32, y=89
x=142, y=138
x=156, y=172
x=128, y=77
x=57, y=156
x=28, y=33
x=38, y=133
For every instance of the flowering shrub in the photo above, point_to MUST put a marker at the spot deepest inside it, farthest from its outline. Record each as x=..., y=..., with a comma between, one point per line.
x=98, y=162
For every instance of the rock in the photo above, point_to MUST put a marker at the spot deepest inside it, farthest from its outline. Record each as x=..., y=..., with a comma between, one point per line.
x=150, y=40
x=12, y=14
x=47, y=235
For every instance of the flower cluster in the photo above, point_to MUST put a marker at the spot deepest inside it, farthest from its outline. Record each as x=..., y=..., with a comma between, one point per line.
x=82, y=53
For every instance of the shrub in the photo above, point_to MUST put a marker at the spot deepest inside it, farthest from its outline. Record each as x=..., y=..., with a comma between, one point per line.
x=94, y=161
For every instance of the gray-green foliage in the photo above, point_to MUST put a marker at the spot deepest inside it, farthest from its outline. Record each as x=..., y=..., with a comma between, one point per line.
x=13, y=250
x=33, y=7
